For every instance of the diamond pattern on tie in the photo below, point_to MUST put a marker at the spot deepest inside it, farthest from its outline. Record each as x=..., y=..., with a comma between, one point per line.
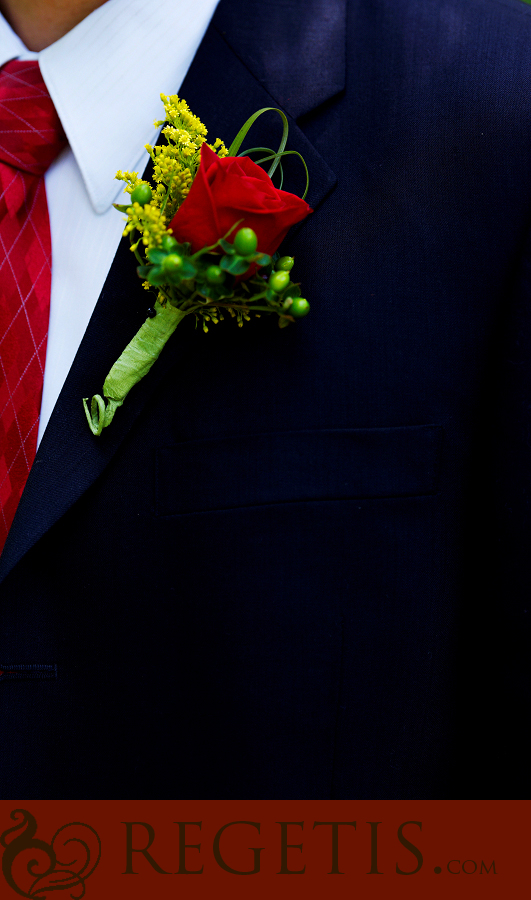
x=31, y=136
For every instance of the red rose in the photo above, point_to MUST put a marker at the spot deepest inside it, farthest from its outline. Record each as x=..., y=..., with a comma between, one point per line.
x=233, y=188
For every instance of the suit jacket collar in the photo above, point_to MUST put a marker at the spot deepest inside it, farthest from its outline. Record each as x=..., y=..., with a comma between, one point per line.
x=241, y=66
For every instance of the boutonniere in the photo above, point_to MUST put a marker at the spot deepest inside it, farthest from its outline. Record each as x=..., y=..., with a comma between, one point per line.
x=205, y=237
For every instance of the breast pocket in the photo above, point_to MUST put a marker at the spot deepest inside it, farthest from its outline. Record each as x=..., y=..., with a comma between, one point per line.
x=260, y=469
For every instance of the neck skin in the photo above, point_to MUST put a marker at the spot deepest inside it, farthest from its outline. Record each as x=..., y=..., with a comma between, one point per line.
x=40, y=23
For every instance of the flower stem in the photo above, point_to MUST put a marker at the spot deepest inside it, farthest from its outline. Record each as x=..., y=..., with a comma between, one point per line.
x=133, y=364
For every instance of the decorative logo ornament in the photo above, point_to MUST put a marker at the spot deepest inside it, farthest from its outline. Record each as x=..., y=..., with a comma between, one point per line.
x=33, y=868
x=207, y=194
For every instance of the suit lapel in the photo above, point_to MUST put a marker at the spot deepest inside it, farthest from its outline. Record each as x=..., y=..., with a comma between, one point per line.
x=240, y=67
x=295, y=50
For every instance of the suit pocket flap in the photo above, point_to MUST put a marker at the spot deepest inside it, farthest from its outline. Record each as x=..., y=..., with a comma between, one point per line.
x=287, y=467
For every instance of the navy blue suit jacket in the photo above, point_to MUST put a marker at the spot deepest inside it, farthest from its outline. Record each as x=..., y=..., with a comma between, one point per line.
x=296, y=565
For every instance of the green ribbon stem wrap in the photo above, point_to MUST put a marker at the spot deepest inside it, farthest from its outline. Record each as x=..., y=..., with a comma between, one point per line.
x=133, y=364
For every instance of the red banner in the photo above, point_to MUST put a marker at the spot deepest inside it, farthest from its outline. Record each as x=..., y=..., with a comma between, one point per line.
x=284, y=849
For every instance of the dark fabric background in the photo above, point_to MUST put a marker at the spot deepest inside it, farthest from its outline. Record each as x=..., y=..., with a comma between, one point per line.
x=299, y=565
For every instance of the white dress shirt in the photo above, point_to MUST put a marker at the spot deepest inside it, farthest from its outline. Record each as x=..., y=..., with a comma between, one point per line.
x=105, y=78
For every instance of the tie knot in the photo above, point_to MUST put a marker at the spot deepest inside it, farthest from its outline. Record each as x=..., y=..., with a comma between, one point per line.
x=31, y=134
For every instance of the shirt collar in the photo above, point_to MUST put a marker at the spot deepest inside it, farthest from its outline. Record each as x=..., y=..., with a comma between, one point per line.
x=10, y=44
x=106, y=86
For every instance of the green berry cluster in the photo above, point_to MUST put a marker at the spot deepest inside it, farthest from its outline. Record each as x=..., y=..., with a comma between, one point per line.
x=280, y=284
x=212, y=280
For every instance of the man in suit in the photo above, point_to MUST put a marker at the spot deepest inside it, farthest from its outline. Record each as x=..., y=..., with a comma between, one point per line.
x=296, y=565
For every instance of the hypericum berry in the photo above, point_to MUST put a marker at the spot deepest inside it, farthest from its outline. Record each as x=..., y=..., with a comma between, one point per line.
x=245, y=242
x=215, y=275
x=169, y=243
x=142, y=194
x=279, y=281
x=299, y=308
x=284, y=264
x=172, y=263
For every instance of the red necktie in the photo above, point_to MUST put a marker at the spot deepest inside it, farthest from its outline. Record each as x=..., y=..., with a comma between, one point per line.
x=31, y=136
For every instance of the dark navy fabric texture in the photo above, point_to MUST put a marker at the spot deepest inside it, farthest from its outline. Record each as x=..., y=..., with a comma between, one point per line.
x=295, y=467
x=297, y=563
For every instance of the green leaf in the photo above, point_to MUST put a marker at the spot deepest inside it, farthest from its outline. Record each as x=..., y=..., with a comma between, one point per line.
x=187, y=270
x=143, y=271
x=292, y=290
x=270, y=155
x=206, y=290
x=238, y=140
x=228, y=248
x=262, y=259
x=156, y=256
x=157, y=276
x=122, y=207
x=214, y=291
x=236, y=265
